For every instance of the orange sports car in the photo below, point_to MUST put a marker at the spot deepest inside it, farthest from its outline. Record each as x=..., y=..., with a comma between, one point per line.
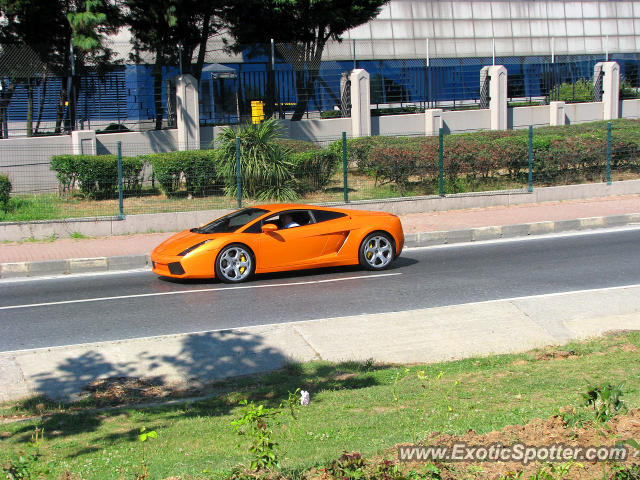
x=273, y=238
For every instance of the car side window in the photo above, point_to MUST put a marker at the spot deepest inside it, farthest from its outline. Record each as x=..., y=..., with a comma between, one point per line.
x=324, y=215
x=299, y=217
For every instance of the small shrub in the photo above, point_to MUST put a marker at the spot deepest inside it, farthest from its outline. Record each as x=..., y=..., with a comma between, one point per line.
x=5, y=192
x=195, y=168
x=66, y=168
x=580, y=91
x=348, y=466
x=254, y=422
x=395, y=165
x=96, y=175
x=314, y=168
x=605, y=401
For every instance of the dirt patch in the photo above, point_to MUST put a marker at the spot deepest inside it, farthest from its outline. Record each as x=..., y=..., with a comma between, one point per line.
x=556, y=354
x=123, y=390
x=540, y=433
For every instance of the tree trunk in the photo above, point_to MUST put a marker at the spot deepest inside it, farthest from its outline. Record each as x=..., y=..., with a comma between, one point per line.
x=157, y=89
x=301, y=92
x=5, y=99
x=29, y=108
x=206, y=28
x=61, y=107
x=305, y=86
x=42, y=101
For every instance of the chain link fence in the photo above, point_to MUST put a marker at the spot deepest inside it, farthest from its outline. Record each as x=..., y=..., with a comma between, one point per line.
x=130, y=180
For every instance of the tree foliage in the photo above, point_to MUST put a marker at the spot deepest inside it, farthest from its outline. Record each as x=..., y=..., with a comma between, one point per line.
x=305, y=26
x=168, y=29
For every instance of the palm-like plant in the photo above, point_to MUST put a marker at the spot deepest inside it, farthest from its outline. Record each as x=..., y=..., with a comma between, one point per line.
x=266, y=170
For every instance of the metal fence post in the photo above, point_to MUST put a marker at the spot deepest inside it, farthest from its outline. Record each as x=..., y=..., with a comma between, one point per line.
x=530, y=177
x=238, y=173
x=608, y=153
x=120, y=186
x=441, y=162
x=344, y=166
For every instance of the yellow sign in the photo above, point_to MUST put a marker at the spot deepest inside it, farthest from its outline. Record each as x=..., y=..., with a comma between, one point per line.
x=257, y=111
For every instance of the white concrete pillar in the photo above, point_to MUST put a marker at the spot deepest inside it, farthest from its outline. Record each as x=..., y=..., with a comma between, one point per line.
x=610, y=88
x=432, y=121
x=187, y=112
x=556, y=114
x=360, y=103
x=84, y=142
x=498, y=97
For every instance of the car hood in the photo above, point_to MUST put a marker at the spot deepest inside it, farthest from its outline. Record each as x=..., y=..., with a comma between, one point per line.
x=183, y=240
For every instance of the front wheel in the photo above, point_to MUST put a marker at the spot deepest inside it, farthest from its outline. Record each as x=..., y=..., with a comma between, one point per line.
x=235, y=263
x=377, y=251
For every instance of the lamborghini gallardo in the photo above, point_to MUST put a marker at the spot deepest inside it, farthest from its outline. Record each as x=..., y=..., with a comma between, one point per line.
x=274, y=238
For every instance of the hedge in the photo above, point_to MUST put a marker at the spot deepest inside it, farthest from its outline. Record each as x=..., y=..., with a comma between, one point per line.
x=96, y=175
x=5, y=191
x=313, y=169
x=197, y=168
x=561, y=154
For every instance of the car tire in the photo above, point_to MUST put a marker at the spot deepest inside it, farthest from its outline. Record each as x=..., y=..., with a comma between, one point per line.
x=377, y=251
x=235, y=263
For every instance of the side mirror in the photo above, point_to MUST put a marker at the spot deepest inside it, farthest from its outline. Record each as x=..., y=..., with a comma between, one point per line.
x=269, y=227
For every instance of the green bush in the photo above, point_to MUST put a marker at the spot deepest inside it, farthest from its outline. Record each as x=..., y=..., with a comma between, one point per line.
x=314, y=168
x=66, y=168
x=580, y=91
x=5, y=191
x=296, y=146
x=195, y=168
x=96, y=175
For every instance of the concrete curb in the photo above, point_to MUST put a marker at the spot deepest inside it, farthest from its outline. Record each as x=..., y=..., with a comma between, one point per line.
x=427, y=239
x=73, y=265
x=422, y=239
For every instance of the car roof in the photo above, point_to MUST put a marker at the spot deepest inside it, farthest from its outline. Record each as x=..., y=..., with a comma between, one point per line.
x=279, y=207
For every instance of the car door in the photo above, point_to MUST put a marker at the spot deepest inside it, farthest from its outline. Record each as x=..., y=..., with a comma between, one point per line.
x=289, y=247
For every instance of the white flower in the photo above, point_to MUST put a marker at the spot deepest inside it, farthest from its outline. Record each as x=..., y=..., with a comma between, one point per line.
x=304, y=397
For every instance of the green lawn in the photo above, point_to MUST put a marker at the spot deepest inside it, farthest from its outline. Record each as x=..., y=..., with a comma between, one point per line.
x=353, y=407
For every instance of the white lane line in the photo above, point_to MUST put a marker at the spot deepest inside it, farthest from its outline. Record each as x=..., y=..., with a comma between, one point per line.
x=313, y=320
x=201, y=290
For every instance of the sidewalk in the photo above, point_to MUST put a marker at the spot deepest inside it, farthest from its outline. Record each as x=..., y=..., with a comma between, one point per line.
x=69, y=255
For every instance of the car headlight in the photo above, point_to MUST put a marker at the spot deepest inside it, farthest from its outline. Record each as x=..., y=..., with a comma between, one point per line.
x=190, y=249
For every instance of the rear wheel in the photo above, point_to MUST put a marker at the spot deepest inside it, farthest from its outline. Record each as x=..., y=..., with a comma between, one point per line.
x=377, y=251
x=235, y=263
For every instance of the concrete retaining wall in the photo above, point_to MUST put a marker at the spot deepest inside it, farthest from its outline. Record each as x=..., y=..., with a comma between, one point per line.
x=583, y=112
x=523, y=117
x=630, y=108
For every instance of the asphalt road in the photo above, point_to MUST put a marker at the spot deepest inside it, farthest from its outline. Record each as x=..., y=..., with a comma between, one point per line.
x=82, y=309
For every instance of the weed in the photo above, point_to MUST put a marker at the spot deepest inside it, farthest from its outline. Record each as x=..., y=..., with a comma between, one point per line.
x=350, y=466
x=143, y=437
x=400, y=375
x=556, y=471
x=25, y=466
x=78, y=235
x=254, y=422
x=605, y=401
x=625, y=472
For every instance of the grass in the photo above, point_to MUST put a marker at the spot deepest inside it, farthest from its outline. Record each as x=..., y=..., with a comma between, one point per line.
x=352, y=407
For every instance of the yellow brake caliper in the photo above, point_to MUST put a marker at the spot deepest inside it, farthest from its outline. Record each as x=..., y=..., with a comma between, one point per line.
x=243, y=259
x=370, y=253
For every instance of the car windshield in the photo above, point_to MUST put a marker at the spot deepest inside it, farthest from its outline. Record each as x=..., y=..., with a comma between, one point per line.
x=231, y=222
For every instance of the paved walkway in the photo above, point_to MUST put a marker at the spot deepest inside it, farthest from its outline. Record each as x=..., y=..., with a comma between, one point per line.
x=138, y=244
